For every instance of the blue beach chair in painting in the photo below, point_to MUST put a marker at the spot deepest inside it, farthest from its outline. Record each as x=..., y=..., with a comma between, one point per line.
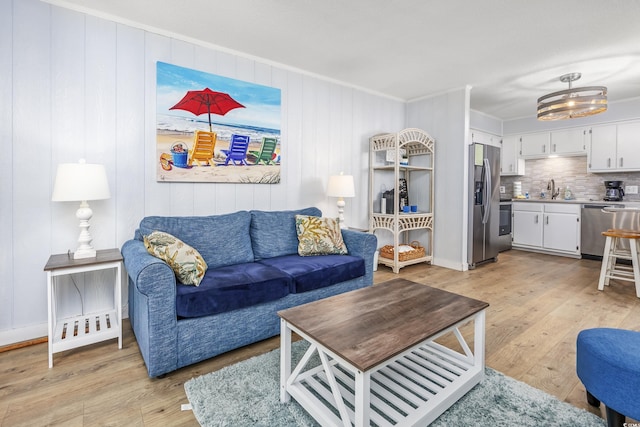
x=265, y=154
x=237, y=152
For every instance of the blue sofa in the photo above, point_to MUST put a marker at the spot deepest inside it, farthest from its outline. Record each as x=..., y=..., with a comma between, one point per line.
x=254, y=271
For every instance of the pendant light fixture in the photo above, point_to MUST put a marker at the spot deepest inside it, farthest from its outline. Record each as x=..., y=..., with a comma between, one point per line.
x=573, y=102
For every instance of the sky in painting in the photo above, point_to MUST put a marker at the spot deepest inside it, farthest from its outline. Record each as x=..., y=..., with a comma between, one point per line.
x=262, y=103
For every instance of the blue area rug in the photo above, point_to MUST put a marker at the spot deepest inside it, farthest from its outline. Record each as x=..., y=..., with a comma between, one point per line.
x=248, y=394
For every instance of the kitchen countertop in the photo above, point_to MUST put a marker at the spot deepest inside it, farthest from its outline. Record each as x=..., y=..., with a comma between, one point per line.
x=627, y=203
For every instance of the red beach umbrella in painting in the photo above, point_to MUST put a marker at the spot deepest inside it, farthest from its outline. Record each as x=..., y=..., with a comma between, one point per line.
x=207, y=101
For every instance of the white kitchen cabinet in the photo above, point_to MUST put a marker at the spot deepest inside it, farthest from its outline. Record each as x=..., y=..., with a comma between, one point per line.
x=569, y=142
x=535, y=145
x=602, y=148
x=527, y=224
x=564, y=142
x=547, y=227
x=628, y=154
x=614, y=148
x=527, y=228
x=561, y=228
x=510, y=161
x=485, y=138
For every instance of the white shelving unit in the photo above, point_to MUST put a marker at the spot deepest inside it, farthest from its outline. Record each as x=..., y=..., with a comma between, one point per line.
x=86, y=328
x=417, y=170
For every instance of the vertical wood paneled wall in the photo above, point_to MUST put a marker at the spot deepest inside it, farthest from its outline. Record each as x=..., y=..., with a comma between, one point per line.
x=445, y=117
x=76, y=86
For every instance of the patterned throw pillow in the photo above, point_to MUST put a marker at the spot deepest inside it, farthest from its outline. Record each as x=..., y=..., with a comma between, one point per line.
x=185, y=261
x=319, y=236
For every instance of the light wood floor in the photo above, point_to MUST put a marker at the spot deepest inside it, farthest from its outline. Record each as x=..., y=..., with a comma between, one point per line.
x=538, y=305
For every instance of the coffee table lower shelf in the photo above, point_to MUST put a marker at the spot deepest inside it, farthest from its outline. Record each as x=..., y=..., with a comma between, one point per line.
x=414, y=388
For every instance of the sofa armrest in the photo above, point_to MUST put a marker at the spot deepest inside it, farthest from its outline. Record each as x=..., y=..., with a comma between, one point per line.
x=150, y=275
x=152, y=307
x=363, y=245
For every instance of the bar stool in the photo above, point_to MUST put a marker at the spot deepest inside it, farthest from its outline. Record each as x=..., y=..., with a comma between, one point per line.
x=613, y=251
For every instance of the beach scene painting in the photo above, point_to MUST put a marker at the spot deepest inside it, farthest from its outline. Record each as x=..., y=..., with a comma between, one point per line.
x=212, y=128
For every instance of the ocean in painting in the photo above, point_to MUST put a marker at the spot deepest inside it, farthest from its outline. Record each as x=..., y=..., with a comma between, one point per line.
x=182, y=125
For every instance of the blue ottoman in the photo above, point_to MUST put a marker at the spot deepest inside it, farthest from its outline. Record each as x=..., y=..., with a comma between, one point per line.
x=608, y=364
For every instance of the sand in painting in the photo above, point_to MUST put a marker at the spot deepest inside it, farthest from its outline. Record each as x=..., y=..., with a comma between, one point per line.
x=240, y=174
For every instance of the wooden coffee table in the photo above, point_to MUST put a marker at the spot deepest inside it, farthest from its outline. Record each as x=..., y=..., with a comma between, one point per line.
x=380, y=363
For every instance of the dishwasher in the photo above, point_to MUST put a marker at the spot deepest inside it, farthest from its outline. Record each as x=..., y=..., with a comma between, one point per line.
x=599, y=217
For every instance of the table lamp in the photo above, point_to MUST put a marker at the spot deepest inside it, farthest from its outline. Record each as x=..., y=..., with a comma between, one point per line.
x=79, y=182
x=341, y=186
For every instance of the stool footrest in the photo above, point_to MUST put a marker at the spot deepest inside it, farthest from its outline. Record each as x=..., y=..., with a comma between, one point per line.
x=622, y=254
x=613, y=252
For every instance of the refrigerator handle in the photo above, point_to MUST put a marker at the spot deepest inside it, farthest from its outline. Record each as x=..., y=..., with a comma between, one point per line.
x=486, y=170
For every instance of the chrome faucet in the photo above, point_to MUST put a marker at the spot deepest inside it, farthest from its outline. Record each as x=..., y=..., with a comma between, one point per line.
x=551, y=187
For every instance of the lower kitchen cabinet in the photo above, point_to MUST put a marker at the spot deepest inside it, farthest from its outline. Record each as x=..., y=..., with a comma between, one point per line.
x=527, y=224
x=547, y=227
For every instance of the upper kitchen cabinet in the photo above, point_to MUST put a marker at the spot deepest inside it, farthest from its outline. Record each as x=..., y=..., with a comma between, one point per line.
x=614, y=148
x=628, y=154
x=602, y=148
x=510, y=161
x=565, y=142
x=569, y=142
x=485, y=138
x=533, y=145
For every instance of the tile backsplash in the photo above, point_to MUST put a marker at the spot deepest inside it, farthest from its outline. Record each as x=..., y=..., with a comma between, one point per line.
x=568, y=171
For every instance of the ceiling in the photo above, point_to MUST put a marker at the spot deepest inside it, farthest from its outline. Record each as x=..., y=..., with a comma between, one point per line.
x=509, y=52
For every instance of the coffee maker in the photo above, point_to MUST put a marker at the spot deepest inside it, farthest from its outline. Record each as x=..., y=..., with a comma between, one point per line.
x=614, y=191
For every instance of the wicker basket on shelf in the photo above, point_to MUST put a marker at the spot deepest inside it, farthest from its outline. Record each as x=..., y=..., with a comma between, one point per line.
x=417, y=251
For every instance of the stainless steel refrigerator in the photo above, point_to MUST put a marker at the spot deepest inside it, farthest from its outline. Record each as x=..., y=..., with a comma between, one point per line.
x=484, y=204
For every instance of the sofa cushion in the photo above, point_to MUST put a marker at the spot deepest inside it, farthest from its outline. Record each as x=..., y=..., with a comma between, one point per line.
x=228, y=288
x=319, y=236
x=273, y=233
x=314, y=272
x=185, y=261
x=221, y=239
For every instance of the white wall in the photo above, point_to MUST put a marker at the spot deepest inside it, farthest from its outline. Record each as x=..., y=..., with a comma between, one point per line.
x=485, y=122
x=446, y=118
x=74, y=85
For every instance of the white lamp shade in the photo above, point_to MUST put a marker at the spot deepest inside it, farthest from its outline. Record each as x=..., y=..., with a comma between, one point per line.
x=80, y=181
x=341, y=186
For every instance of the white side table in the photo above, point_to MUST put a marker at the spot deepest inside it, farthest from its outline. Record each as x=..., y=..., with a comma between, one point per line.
x=89, y=328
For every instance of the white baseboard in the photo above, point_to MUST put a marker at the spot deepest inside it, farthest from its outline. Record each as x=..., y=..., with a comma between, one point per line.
x=17, y=335
x=446, y=263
